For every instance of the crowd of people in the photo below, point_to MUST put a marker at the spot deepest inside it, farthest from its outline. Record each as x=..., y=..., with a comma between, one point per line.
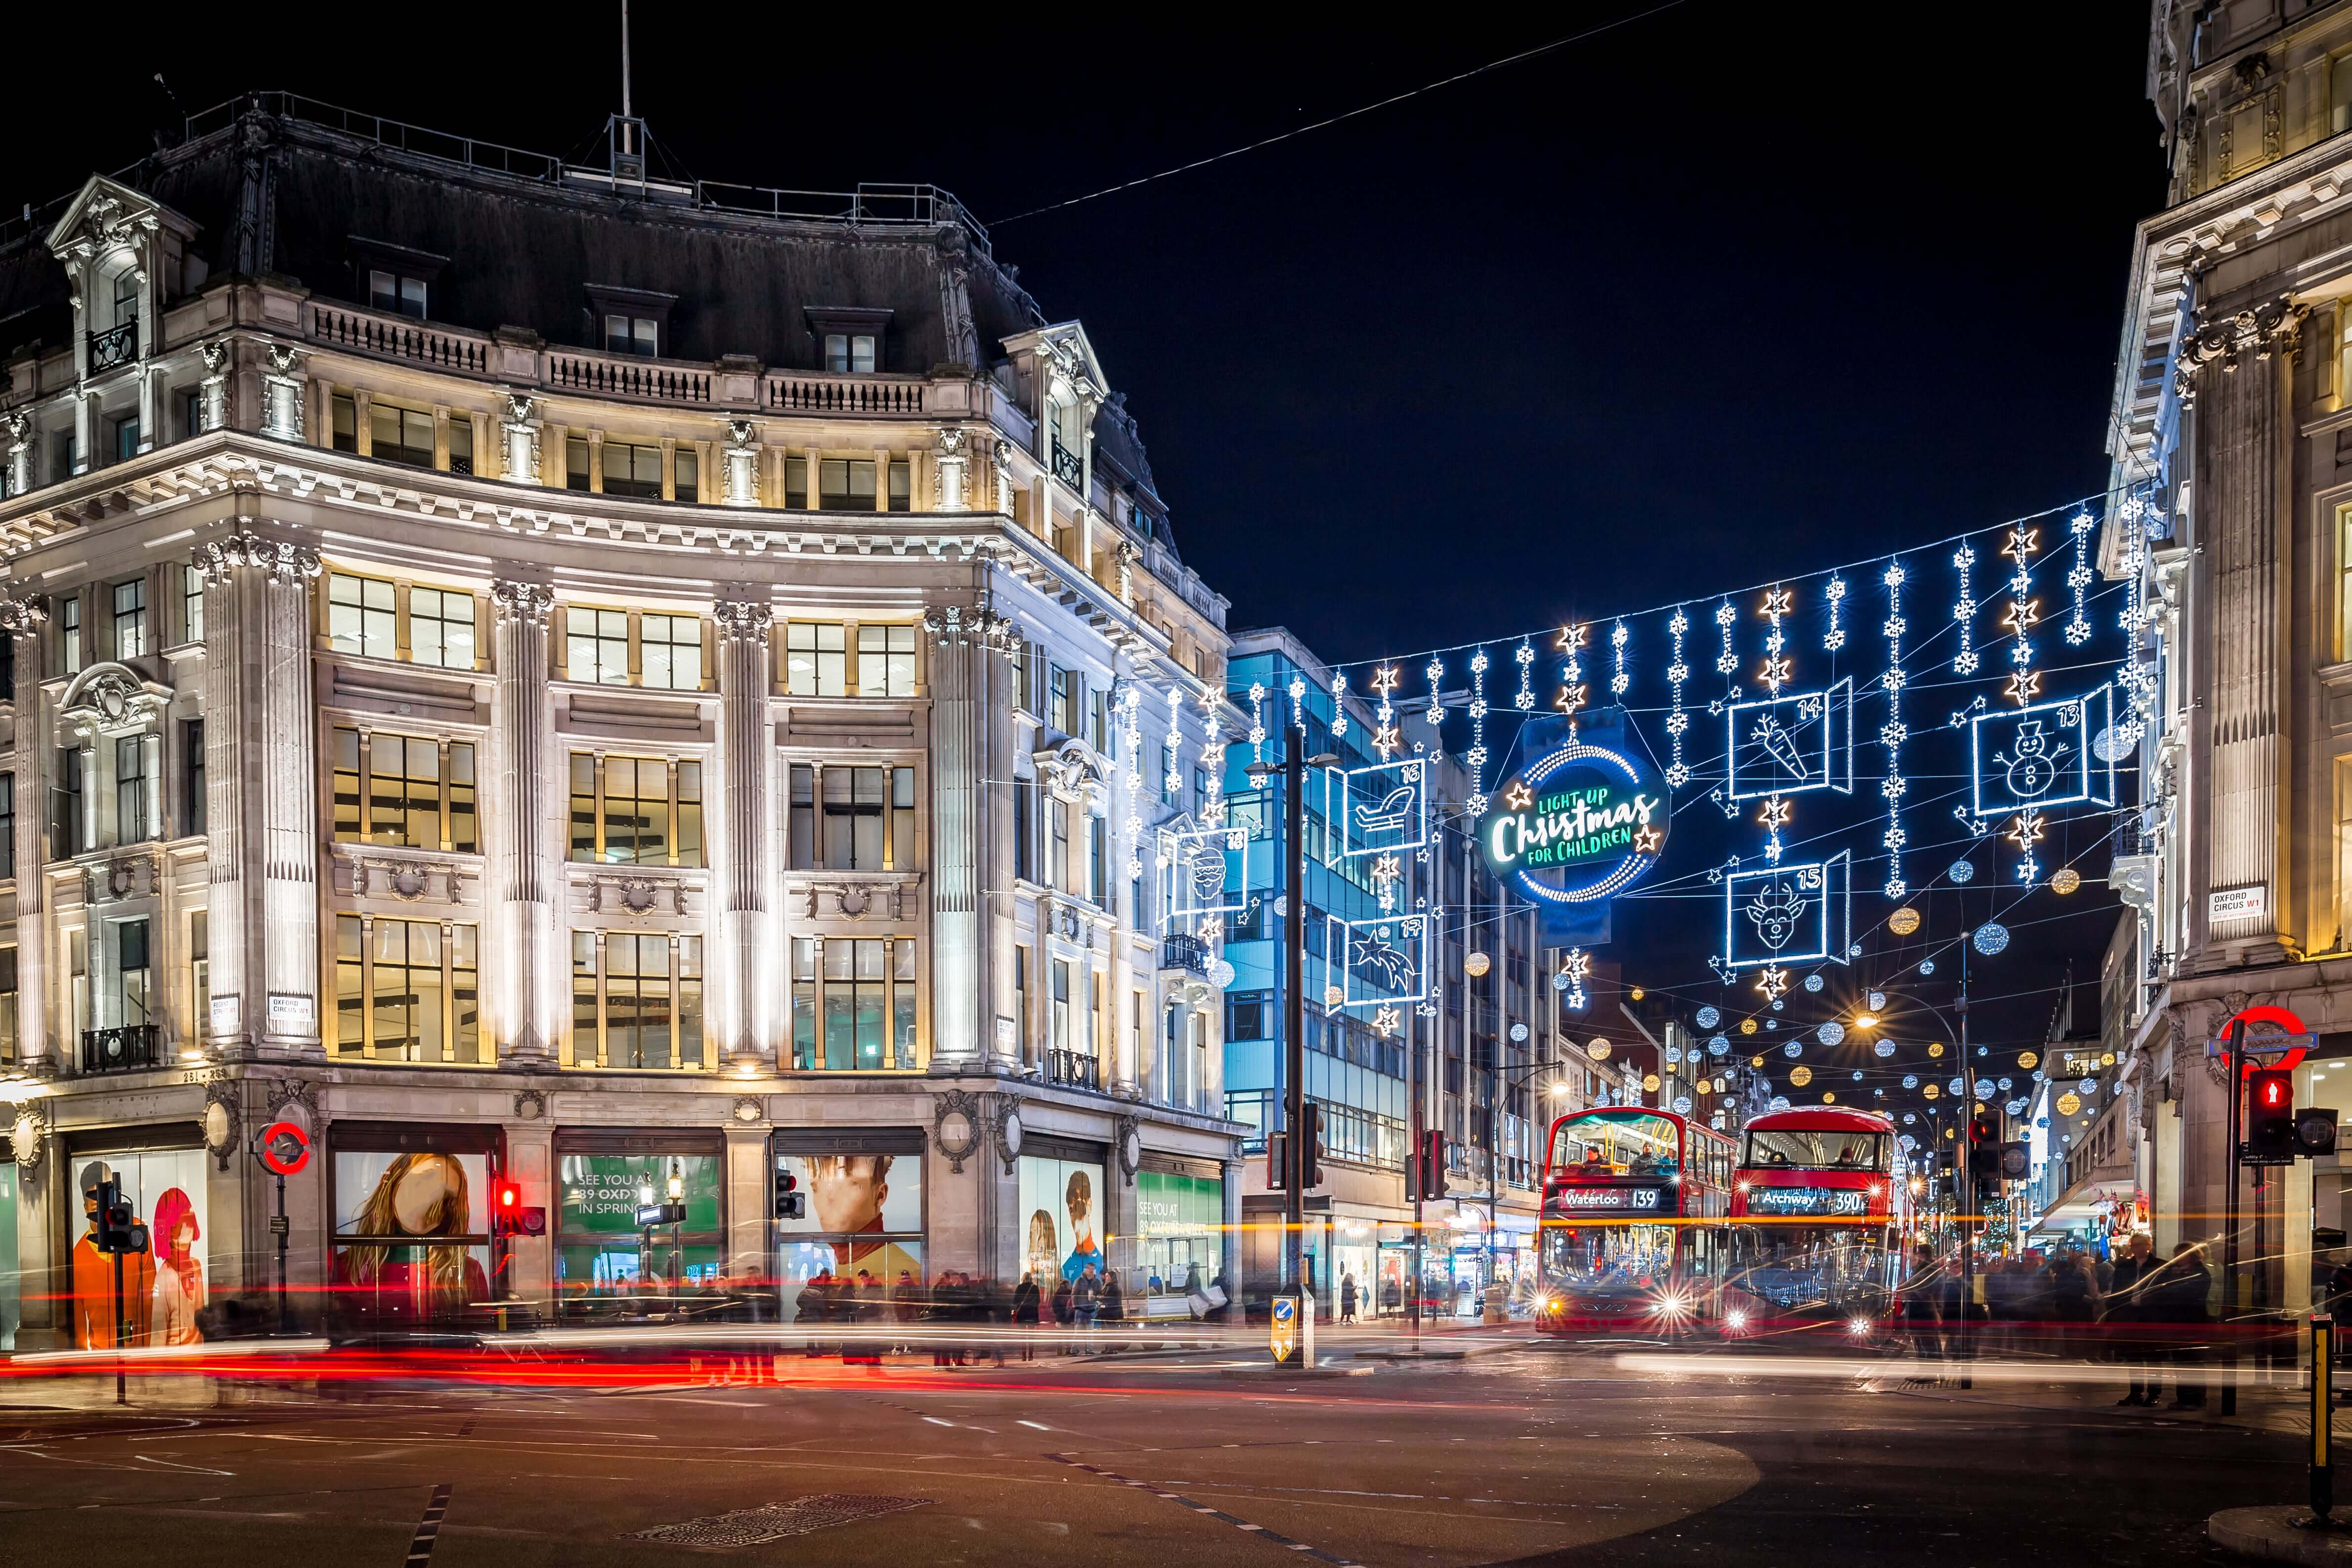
x=892, y=1315
x=2149, y=1313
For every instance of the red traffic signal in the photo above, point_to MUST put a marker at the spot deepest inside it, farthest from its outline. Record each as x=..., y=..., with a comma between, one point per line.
x=2270, y=1112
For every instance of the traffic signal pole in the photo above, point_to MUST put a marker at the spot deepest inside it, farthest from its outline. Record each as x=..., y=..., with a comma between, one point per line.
x=2229, y=1211
x=1964, y=1191
x=1294, y=1008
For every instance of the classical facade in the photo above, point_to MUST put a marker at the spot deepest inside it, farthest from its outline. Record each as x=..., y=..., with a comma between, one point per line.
x=579, y=691
x=2231, y=522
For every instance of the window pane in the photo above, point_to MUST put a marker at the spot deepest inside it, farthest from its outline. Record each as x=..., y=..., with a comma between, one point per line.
x=584, y=1038
x=861, y=351
x=350, y=1003
x=689, y=814
x=462, y=817
x=583, y=806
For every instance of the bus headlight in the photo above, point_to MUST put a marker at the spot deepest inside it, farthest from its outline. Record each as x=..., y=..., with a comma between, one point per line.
x=1857, y=1327
x=1735, y=1320
x=1672, y=1306
x=1556, y=1305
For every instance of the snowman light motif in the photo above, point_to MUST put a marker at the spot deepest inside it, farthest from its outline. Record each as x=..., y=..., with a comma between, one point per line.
x=2036, y=765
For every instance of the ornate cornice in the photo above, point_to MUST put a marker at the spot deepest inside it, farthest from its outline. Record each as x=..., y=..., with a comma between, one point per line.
x=282, y=562
x=953, y=625
x=2257, y=332
x=532, y=601
x=21, y=618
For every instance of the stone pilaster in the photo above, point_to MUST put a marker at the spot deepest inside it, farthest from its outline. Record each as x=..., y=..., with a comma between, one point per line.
x=743, y=455
x=281, y=396
x=963, y=697
x=18, y=428
x=261, y=846
x=528, y=859
x=747, y=1026
x=211, y=393
x=21, y=621
x=2238, y=377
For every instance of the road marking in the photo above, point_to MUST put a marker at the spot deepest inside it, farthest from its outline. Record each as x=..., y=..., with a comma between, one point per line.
x=1261, y=1531
x=1037, y=1425
x=937, y=1422
x=428, y=1529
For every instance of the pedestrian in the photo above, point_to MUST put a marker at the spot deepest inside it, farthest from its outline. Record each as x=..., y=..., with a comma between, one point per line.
x=1026, y=1300
x=1920, y=1314
x=937, y=1315
x=1347, y=1298
x=2127, y=1313
x=1086, y=1297
x=1112, y=1307
x=1065, y=1307
x=2181, y=1291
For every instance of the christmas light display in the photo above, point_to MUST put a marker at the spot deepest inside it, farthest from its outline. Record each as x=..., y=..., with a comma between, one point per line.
x=2078, y=580
x=1677, y=771
x=1892, y=733
x=1964, y=612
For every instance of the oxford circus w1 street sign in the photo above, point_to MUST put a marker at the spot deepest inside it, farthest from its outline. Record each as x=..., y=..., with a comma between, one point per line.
x=1583, y=820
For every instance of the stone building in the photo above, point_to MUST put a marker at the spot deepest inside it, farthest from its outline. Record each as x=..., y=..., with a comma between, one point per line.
x=2231, y=523
x=580, y=690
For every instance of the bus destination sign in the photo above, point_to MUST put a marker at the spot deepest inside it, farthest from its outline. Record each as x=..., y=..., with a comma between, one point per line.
x=1643, y=1200
x=1807, y=1200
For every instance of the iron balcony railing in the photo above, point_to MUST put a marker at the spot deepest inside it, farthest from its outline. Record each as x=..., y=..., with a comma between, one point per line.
x=1074, y=1069
x=114, y=347
x=1066, y=466
x=128, y=1047
x=1185, y=952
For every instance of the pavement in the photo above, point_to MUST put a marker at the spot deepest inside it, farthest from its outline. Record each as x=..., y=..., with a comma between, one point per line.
x=1549, y=1454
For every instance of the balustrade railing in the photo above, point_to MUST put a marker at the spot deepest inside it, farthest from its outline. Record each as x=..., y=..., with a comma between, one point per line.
x=127, y=1047
x=1074, y=1069
x=844, y=394
x=615, y=377
x=113, y=347
x=397, y=337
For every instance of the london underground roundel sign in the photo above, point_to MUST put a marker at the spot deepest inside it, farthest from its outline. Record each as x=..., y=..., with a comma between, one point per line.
x=1577, y=824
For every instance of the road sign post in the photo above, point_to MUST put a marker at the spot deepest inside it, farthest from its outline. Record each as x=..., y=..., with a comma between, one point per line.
x=285, y=1149
x=1283, y=1332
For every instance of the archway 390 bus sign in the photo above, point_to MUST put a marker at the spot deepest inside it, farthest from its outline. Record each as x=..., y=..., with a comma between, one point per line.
x=1578, y=824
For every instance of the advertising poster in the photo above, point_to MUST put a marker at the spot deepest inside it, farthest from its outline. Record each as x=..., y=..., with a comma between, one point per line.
x=602, y=1252
x=1062, y=1203
x=164, y=1288
x=411, y=1235
x=860, y=1243
x=12, y=1281
x=1179, y=1231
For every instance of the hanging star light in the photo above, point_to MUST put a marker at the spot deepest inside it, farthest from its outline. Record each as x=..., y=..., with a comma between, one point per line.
x=1619, y=679
x=1257, y=720
x=1835, y=638
x=1964, y=612
x=1436, y=673
x=2025, y=833
x=1773, y=673
x=1892, y=733
x=1174, y=779
x=2024, y=613
x=1677, y=722
x=1523, y=699
x=1475, y=759
x=1772, y=817
x=1727, y=661
x=1574, y=965
x=1339, y=705
x=1772, y=981
x=1131, y=732
x=1386, y=1021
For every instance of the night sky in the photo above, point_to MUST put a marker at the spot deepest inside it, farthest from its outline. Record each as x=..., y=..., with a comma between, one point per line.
x=1708, y=300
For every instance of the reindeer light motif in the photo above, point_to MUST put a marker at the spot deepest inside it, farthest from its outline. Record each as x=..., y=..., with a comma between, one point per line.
x=1776, y=912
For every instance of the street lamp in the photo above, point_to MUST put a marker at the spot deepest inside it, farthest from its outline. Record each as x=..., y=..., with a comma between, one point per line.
x=1292, y=773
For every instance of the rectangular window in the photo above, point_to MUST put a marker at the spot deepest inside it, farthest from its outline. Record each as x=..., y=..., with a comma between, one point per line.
x=70, y=633
x=8, y=832
x=864, y=822
x=131, y=618
x=130, y=784
x=461, y=443
x=1099, y=861
x=420, y=793
x=465, y=995
x=344, y=422
x=192, y=603
x=134, y=997
x=1171, y=783
x=1021, y=1000
x=803, y=1003
x=902, y=498
x=690, y=1002
x=441, y=628
x=398, y=434
x=1061, y=1018
x=596, y=645
x=404, y=991
x=64, y=461
x=632, y=822
x=126, y=297
x=638, y=1021
x=689, y=814
x=391, y=292
x=343, y=762
x=849, y=354
x=8, y=1049
x=886, y=662
x=408, y=991
x=631, y=470
x=1024, y=830
x=796, y=495
x=193, y=805
x=815, y=660
x=846, y=484
x=1057, y=844
x=190, y=402
x=1248, y=1014
x=670, y=650
x=853, y=1007
x=637, y=335
x=126, y=438
x=360, y=617
x=687, y=484
x=575, y=463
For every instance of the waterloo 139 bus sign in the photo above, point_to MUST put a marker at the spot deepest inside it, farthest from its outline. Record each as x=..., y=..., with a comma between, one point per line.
x=1580, y=823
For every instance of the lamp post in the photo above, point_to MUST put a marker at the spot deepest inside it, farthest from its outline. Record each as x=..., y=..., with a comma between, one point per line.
x=1504, y=1083
x=1293, y=773
x=1964, y=1175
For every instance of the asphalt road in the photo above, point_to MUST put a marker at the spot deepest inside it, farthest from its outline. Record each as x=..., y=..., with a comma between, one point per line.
x=1548, y=1455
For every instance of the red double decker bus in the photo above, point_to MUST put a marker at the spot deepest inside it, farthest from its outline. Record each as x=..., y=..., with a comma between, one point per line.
x=1632, y=1228
x=1817, y=1221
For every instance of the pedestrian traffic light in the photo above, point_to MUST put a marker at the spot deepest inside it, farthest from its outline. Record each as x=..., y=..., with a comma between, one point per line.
x=509, y=1207
x=2314, y=1132
x=2270, y=1115
x=1312, y=1154
x=791, y=1201
x=117, y=1229
x=2016, y=1162
x=1429, y=1165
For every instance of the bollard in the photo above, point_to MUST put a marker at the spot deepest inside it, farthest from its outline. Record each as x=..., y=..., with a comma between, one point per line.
x=2323, y=1474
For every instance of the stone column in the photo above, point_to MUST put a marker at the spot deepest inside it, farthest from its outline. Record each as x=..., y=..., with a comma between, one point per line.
x=21, y=621
x=261, y=846
x=527, y=857
x=2239, y=381
x=962, y=700
x=744, y=745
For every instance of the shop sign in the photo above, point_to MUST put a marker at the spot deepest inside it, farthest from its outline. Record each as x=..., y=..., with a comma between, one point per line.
x=1580, y=823
x=2237, y=903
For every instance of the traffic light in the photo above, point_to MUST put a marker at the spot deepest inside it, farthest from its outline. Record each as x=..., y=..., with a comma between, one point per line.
x=1312, y=1177
x=2016, y=1162
x=2270, y=1115
x=511, y=1216
x=118, y=1228
x=2314, y=1132
x=791, y=1201
x=1429, y=1166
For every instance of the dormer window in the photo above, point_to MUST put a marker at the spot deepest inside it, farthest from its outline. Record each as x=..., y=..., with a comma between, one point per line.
x=849, y=353
x=126, y=298
x=632, y=322
x=396, y=293
x=850, y=340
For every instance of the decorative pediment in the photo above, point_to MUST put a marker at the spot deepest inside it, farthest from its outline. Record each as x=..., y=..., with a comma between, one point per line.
x=1076, y=772
x=108, y=217
x=1066, y=360
x=112, y=700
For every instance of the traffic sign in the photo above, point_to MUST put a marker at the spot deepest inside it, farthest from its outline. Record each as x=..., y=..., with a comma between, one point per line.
x=1285, y=1335
x=285, y=1147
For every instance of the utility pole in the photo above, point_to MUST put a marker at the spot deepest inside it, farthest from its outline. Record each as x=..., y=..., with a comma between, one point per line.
x=2229, y=1220
x=1293, y=1005
x=1965, y=1186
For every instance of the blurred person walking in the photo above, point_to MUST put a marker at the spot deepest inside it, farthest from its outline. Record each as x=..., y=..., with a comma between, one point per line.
x=2177, y=1295
x=2128, y=1311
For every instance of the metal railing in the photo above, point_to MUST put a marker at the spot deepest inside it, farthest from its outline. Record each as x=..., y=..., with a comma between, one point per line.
x=1067, y=467
x=1184, y=951
x=1074, y=1069
x=114, y=347
x=871, y=205
x=128, y=1047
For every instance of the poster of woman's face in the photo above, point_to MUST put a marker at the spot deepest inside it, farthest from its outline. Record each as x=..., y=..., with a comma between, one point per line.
x=416, y=1194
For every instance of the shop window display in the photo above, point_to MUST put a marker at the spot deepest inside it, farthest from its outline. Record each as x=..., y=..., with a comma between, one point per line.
x=412, y=1236
x=605, y=1261
x=859, y=1245
x=1180, y=1227
x=1062, y=1203
x=164, y=1290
